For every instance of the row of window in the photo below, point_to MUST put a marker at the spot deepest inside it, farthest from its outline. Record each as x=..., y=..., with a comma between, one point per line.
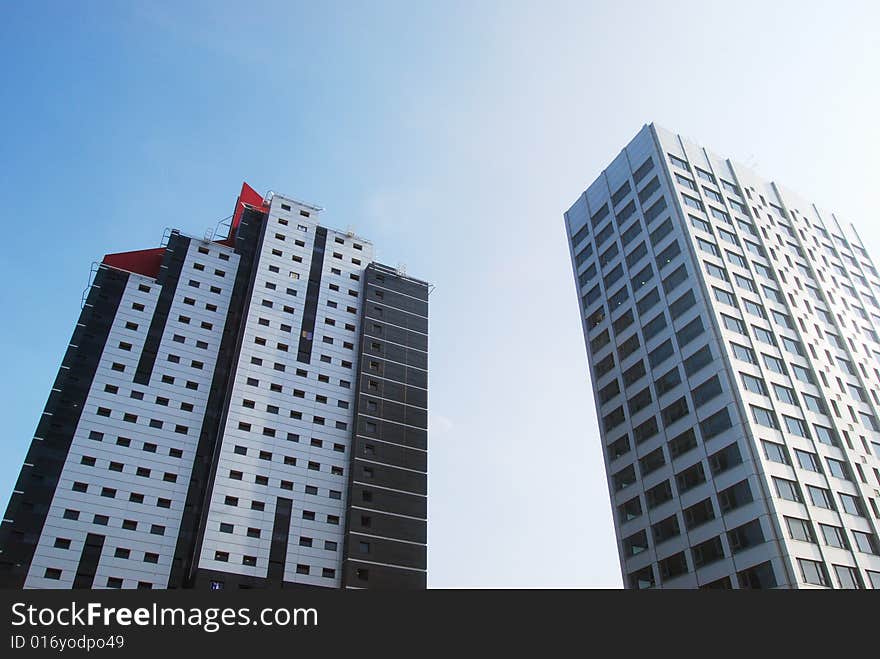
x=112, y=582
x=819, y=496
x=127, y=524
x=251, y=561
x=672, y=412
x=162, y=401
x=128, y=417
x=621, y=218
x=118, y=467
x=742, y=537
x=687, y=478
x=260, y=506
x=787, y=395
x=759, y=576
x=815, y=572
x=126, y=442
x=286, y=459
x=269, y=431
x=833, y=536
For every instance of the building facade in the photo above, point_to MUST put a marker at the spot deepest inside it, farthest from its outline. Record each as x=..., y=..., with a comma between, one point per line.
x=248, y=412
x=731, y=333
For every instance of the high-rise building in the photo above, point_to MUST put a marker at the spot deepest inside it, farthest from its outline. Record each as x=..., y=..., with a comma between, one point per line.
x=731, y=333
x=237, y=413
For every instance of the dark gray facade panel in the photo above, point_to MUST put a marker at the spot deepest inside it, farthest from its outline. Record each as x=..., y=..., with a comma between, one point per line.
x=389, y=477
x=396, y=353
x=404, y=554
x=390, y=298
x=389, y=501
x=393, y=316
x=395, y=433
x=378, y=329
x=388, y=389
x=392, y=410
x=395, y=454
x=26, y=513
x=386, y=527
x=382, y=577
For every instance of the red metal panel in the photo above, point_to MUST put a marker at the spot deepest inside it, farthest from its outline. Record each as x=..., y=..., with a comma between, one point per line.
x=142, y=261
x=247, y=196
x=147, y=261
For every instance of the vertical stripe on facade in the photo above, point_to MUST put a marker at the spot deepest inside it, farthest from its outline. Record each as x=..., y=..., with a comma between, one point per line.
x=169, y=276
x=278, y=548
x=88, y=561
x=310, y=311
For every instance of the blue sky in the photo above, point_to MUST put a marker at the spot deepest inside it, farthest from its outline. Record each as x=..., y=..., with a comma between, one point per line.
x=454, y=135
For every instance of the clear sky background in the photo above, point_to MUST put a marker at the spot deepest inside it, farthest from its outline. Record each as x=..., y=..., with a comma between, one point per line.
x=454, y=135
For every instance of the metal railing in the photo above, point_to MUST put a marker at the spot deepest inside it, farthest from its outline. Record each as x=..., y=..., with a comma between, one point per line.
x=92, y=272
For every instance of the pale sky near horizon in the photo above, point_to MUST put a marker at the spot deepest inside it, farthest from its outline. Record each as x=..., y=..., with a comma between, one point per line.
x=452, y=134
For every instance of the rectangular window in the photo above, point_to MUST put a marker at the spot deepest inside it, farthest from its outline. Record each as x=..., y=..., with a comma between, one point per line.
x=813, y=572
x=674, y=411
x=690, y=477
x=775, y=452
x=678, y=277
x=689, y=332
x=724, y=297
x=681, y=444
x=735, y=496
x=808, y=461
x=796, y=426
x=734, y=324
x=743, y=353
x=686, y=182
x=667, y=381
x=650, y=188
x=697, y=361
x=834, y=536
x=682, y=304
x=706, y=391
x=661, y=232
x=661, y=353
x=764, y=417
x=654, y=326
x=753, y=384
x=826, y=435
x=691, y=202
x=655, y=210
x=648, y=301
x=774, y=364
x=643, y=170
x=820, y=497
x=787, y=489
x=708, y=247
